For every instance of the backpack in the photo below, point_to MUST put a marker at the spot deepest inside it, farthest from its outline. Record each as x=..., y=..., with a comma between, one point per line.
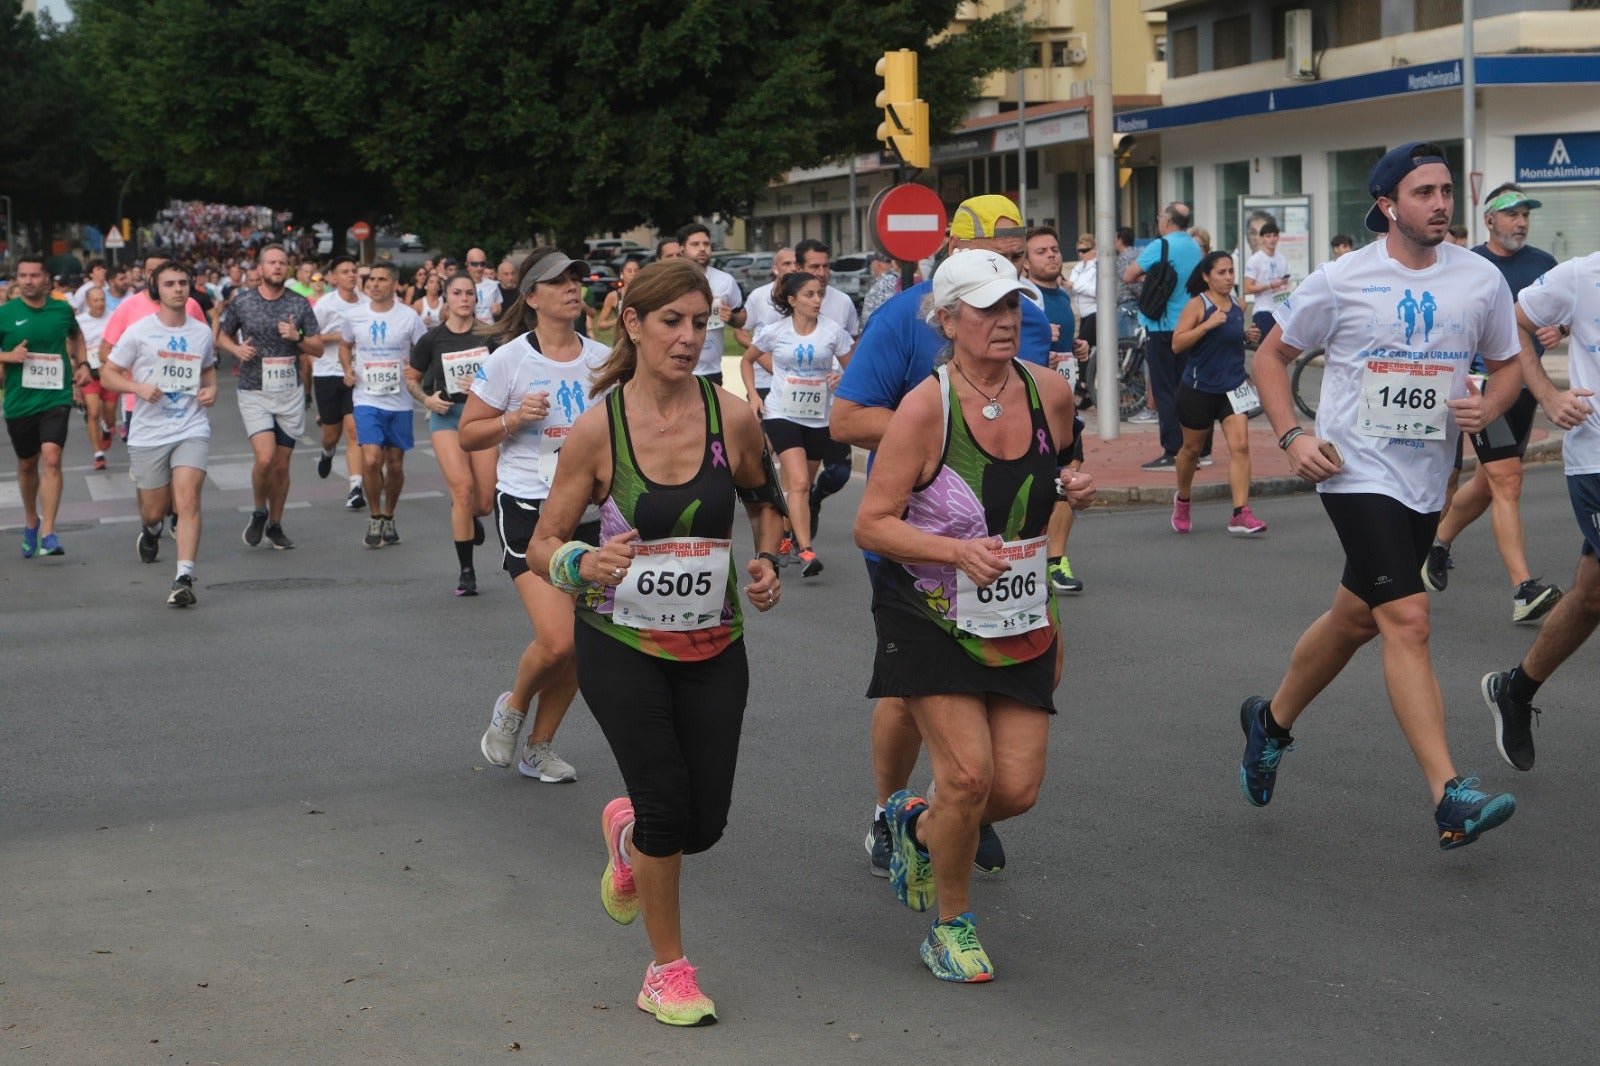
x=1159, y=284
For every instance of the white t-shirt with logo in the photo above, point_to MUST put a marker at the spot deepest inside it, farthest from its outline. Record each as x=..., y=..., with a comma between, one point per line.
x=330, y=309
x=381, y=339
x=139, y=351
x=1366, y=307
x=1264, y=269
x=723, y=288
x=488, y=296
x=808, y=357
x=93, y=330
x=512, y=371
x=1569, y=295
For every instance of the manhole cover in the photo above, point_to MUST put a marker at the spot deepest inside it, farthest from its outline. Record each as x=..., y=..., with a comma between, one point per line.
x=276, y=584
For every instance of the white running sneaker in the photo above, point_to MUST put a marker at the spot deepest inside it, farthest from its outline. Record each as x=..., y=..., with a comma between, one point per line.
x=500, y=739
x=540, y=762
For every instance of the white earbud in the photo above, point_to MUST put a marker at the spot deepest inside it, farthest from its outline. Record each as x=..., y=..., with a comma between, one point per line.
x=1392, y=214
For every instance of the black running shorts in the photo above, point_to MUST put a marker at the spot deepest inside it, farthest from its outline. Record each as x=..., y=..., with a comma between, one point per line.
x=30, y=433
x=1385, y=544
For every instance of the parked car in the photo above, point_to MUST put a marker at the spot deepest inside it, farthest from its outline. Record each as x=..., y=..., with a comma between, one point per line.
x=606, y=249
x=753, y=270
x=852, y=275
x=601, y=280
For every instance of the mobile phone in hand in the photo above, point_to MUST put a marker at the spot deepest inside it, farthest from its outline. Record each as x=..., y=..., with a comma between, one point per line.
x=1330, y=451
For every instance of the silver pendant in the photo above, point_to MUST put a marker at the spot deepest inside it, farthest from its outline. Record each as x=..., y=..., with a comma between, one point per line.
x=992, y=410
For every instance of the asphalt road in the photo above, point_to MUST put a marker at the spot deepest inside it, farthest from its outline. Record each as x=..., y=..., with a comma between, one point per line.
x=260, y=831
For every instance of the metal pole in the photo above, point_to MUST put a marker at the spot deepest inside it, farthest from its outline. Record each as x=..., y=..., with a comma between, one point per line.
x=1469, y=116
x=117, y=222
x=1105, y=237
x=855, y=211
x=1022, y=126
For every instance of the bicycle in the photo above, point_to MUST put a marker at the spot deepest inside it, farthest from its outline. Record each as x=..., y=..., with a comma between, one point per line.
x=1130, y=371
x=1305, y=381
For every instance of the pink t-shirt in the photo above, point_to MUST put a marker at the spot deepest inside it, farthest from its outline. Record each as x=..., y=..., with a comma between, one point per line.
x=137, y=305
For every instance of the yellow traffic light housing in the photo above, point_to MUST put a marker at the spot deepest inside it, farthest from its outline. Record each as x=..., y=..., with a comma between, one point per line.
x=904, y=129
x=1122, y=145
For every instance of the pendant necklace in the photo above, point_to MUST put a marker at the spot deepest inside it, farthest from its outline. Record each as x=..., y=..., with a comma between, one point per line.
x=991, y=410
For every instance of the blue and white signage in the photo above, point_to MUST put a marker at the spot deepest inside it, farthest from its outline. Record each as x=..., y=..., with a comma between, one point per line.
x=1548, y=157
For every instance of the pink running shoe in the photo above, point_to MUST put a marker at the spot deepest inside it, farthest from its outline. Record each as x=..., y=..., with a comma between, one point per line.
x=617, y=894
x=672, y=994
x=1180, y=515
x=1246, y=523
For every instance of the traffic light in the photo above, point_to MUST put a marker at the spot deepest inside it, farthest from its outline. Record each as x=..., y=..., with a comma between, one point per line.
x=1122, y=145
x=904, y=129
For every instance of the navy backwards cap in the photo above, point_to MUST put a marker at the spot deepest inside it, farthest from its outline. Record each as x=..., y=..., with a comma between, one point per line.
x=1388, y=172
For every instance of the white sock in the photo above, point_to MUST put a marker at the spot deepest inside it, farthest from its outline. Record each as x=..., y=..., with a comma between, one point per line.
x=154, y=530
x=355, y=481
x=186, y=568
x=327, y=453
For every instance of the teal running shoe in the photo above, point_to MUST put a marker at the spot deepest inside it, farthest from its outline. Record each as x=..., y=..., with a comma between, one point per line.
x=1464, y=813
x=953, y=953
x=910, y=870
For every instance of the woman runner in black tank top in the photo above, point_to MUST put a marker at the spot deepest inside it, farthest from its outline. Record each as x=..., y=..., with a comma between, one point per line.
x=660, y=660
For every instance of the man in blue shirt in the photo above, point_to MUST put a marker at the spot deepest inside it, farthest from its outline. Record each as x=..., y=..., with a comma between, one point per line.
x=1501, y=444
x=896, y=352
x=1166, y=368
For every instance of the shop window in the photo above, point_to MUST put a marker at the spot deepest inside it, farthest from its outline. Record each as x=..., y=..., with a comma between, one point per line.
x=1356, y=21
x=1230, y=42
x=1286, y=175
x=1567, y=224
x=1185, y=52
x=1233, y=181
x=1432, y=14
x=1183, y=185
x=1348, y=198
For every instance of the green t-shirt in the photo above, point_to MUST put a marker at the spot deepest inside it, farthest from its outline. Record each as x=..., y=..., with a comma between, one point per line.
x=46, y=330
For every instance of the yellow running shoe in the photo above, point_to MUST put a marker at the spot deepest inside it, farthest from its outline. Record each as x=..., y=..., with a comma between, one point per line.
x=672, y=994
x=617, y=893
x=953, y=953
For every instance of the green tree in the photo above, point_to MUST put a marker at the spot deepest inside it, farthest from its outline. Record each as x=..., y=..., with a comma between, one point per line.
x=487, y=125
x=47, y=164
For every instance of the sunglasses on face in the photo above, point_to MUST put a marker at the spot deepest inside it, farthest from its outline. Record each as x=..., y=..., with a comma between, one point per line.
x=1085, y=251
x=477, y=263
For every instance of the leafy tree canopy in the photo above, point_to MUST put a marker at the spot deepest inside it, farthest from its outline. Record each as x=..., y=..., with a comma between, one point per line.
x=484, y=124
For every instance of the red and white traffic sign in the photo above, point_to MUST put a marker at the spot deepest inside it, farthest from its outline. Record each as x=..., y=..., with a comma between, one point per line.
x=909, y=222
x=361, y=231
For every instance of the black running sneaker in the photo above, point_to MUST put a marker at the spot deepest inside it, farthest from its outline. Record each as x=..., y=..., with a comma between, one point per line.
x=280, y=540
x=468, y=585
x=1533, y=599
x=1464, y=812
x=182, y=594
x=356, y=500
x=879, y=846
x=1436, y=571
x=991, y=856
x=149, y=545
x=813, y=565
x=258, y=526
x=1258, y=771
x=324, y=465
x=1513, y=722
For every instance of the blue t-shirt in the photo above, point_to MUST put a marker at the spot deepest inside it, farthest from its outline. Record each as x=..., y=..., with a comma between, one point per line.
x=897, y=350
x=1058, y=310
x=1184, y=255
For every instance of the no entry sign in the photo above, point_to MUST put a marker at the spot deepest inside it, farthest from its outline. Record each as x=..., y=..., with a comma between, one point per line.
x=909, y=222
x=361, y=231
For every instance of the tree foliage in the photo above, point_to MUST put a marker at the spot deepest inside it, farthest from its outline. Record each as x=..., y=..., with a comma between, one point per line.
x=484, y=124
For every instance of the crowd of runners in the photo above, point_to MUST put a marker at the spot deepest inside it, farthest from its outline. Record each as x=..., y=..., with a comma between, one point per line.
x=611, y=473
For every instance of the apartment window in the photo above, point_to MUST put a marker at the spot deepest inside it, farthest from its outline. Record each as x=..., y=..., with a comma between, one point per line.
x=1161, y=46
x=1586, y=5
x=1185, y=52
x=1233, y=181
x=1230, y=42
x=1348, y=198
x=1356, y=21
x=1035, y=54
x=1431, y=14
x=1065, y=54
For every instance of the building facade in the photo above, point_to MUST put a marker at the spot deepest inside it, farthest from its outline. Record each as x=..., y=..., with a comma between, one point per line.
x=1249, y=110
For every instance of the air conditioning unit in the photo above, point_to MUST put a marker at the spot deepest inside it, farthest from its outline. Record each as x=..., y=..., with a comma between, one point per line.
x=1074, y=57
x=1298, y=59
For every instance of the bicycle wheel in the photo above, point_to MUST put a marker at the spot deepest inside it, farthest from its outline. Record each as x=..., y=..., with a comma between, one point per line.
x=1306, y=381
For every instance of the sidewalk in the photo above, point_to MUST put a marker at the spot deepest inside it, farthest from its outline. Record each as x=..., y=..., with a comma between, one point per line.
x=1120, y=482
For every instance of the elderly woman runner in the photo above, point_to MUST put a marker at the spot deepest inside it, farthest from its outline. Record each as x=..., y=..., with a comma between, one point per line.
x=959, y=498
x=661, y=662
